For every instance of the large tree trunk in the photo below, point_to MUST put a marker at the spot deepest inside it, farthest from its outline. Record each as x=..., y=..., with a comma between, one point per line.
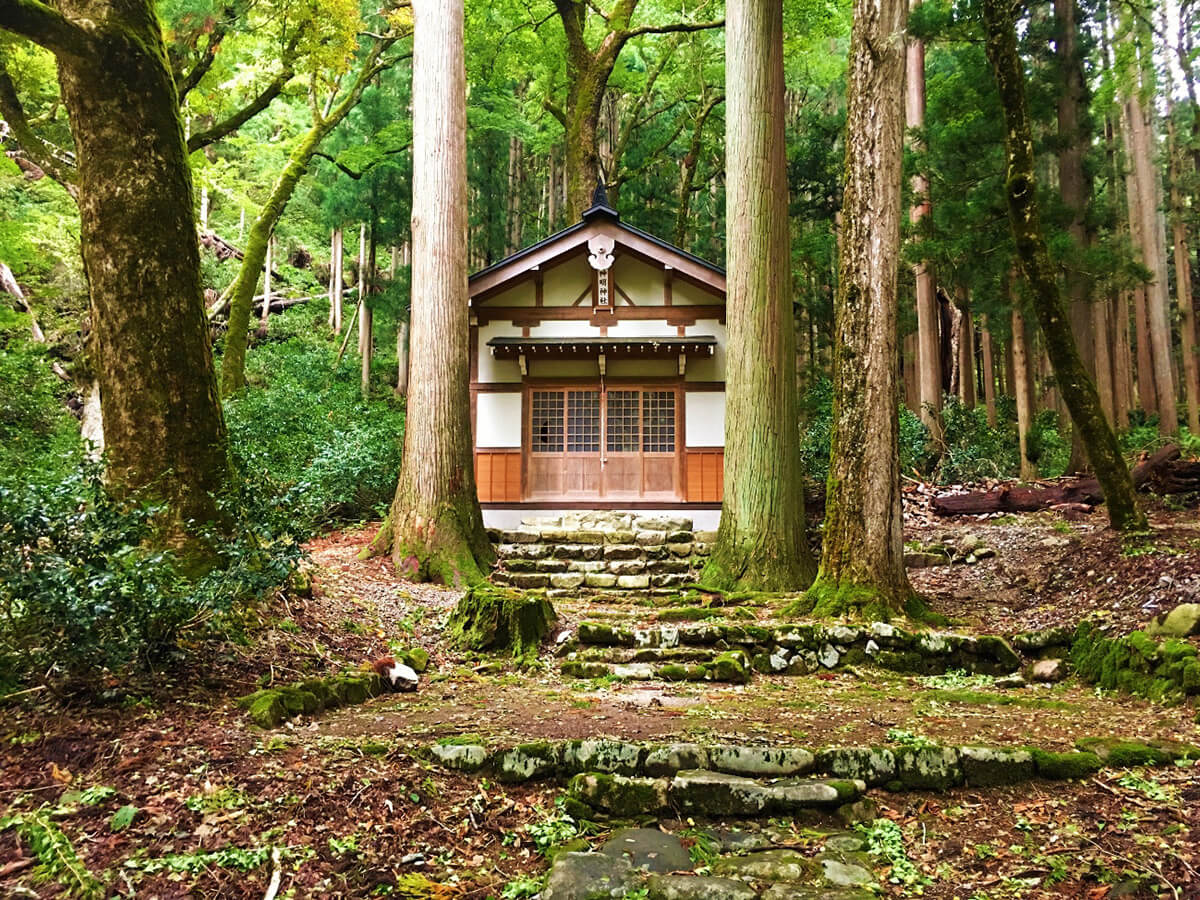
x=929, y=317
x=1021, y=191
x=164, y=430
x=862, y=559
x=1183, y=283
x=761, y=541
x=1075, y=188
x=435, y=528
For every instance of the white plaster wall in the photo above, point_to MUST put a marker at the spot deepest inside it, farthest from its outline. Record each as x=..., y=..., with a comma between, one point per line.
x=491, y=369
x=562, y=285
x=643, y=283
x=704, y=418
x=636, y=328
x=711, y=368
x=498, y=420
x=518, y=295
x=569, y=328
x=684, y=294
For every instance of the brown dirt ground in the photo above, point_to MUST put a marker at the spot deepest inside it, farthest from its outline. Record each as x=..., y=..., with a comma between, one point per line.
x=203, y=779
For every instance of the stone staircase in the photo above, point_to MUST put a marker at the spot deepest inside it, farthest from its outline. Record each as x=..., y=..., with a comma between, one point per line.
x=601, y=552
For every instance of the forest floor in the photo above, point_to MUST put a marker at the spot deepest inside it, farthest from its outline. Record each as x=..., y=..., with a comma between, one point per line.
x=352, y=804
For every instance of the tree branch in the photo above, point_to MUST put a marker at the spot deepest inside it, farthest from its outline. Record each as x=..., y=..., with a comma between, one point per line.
x=200, y=69
x=677, y=27
x=46, y=27
x=40, y=152
x=246, y=113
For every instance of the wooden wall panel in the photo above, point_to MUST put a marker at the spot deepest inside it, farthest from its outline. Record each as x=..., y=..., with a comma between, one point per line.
x=498, y=475
x=705, y=475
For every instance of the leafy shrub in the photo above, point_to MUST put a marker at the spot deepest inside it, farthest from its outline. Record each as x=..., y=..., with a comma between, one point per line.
x=975, y=450
x=303, y=429
x=83, y=590
x=817, y=415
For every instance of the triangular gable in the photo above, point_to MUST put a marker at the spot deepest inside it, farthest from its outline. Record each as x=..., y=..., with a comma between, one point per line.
x=572, y=242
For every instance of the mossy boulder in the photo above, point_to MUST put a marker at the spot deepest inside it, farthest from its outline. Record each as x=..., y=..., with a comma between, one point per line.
x=717, y=794
x=577, y=668
x=697, y=887
x=620, y=795
x=771, y=866
x=415, y=658
x=617, y=757
x=499, y=619
x=928, y=768
x=1069, y=766
x=732, y=666
x=1124, y=754
x=267, y=708
x=528, y=762
x=589, y=876
x=991, y=767
x=873, y=765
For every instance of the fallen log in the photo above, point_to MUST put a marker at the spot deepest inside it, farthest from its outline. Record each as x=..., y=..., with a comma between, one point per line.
x=1161, y=473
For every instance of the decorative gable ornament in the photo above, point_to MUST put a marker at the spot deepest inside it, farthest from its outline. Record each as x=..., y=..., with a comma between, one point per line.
x=600, y=256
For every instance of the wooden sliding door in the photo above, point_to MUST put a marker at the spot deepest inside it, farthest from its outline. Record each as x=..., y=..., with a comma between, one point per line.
x=614, y=443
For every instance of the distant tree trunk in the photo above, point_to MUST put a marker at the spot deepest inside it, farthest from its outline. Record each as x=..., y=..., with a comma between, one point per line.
x=761, y=541
x=1183, y=283
x=1022, y=391
x=1123, y=361
x=862, y=559
x=241, y=292
x=164, y=429
x=435, y=529
x=366, y=317
x=966, y=350
x=989, y=372
x=687, y=175
x=266, y=302
x=1021, y=191
x=335, y=281
x=402, y=341
x=928, y=314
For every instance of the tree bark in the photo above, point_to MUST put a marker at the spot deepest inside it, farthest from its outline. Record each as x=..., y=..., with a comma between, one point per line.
x=1021, y=191
x=761, y=541
x=989, y=372
x=1183, y=283
x=164, y=429
x=862, y=560
x=265, y=312
x=435, y=528
x=966, y=349
x=1022, y=391
x=929, y=338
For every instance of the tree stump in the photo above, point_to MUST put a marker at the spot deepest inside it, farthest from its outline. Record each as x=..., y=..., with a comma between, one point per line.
x=493, y=618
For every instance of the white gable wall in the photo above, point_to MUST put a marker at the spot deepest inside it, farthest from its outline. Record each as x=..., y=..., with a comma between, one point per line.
x=498, y=420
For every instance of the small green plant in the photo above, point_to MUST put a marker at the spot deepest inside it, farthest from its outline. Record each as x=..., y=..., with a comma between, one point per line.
x=521, y=888
x=886, y=840
x=552, y=829
x=1147, y=786
x=347, y=846
x=123, y=817
x=221, y=798
x=906, y=738
x=242, y=859
x=56, y=857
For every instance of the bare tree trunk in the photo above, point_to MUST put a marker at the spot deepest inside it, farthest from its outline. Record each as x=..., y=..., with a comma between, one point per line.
x=1183, y=286
x=266, y=303
x=435, y=529
x=366, y=318
x=862, y=559
x=1122, y=362
x=1102, y=354
x=1021, y=191
x=966, y=350
x=760, y=543
x=989, y=372
x=362, y=285
x=204, y=209
x=1022, y=391
x=402, y=341
x=928, y=314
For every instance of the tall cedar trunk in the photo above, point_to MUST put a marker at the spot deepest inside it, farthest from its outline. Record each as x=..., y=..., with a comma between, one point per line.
x=1183, y=283
x=1022, y=391
x=366, y=317
x=163, y=427
x=761, y=543
x=1021, y=190
x=989, y=371
x=1157, y=302
x=435, y=528
x=929, y=339
x=241, y=292
x=862, y=559
x=1122, y=362
x=1102, y=349
x=966, y=349
x=1075, y=188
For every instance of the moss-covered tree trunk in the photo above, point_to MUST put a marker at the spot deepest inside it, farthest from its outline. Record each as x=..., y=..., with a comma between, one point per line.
x=862, y=558
x=241, y=292
x=761, y=542
x=435, y=528
x=164, y=431
x=1021, y=190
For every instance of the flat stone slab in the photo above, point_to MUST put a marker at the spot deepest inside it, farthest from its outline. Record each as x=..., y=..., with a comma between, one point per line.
x=461, y=757
x=990, y=767
x=649, y=849
x=769, y=865
x=672, y=758
x=602, y=756
x=721, y=794
x=589, y=876
x=696, y=887
x=760, y=761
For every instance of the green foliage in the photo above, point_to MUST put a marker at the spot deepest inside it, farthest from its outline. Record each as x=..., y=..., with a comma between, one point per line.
x=521, y=888
x=84, y=589
x=241, y=859
x=552, y=828
x=56, y=857
x=324, y=454
x=886, y=840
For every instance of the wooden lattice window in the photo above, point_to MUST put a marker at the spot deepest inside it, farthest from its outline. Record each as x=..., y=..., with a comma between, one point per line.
x=583, y=421
x=624, y=421
x=658, y=422
x=546, y=427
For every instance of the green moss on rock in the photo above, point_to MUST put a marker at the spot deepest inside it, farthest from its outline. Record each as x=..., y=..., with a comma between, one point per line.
x=492, y=618
x=1124, y=754
x=1068, y=766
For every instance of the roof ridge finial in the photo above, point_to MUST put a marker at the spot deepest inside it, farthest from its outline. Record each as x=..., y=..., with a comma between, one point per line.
x=600, y=195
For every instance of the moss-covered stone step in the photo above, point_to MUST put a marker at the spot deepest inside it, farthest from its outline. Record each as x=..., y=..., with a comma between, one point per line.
x=801, y=649
x=1136, y=663
x=731, y=666
x=922, y=766
x=271, y=707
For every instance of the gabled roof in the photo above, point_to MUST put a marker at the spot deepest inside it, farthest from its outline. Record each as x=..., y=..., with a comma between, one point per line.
x=599, y=218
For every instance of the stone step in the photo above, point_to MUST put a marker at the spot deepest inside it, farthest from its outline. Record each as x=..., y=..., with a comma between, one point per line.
x=700, y=792
x=731, y=666
x=803, y=648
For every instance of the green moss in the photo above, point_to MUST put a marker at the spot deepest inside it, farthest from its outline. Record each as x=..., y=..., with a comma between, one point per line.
x=416, y=658
x=492, y=618
x=1124, y=754
x=730, y=666
x=688, y=614
x=574, y=668
x=986, y=698
x=1068, y=766
x=836, y=600
x=1136, y=664
x=268, y=709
